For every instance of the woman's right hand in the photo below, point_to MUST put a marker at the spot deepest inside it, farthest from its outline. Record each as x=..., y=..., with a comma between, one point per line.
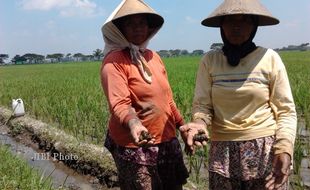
x=192, y=129
x=136, y=128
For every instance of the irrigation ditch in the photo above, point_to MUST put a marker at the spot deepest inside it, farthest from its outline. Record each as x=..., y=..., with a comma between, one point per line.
x=70, y=163
x=302, y=155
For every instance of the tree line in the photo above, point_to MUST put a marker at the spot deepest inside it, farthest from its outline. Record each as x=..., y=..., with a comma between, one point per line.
x=301, y=47
x=32, y=58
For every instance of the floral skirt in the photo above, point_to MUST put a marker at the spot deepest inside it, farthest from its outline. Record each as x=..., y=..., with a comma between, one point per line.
x=157, y=167
x=240, y=164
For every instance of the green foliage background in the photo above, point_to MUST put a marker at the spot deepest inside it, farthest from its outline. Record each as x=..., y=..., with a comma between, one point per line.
x=69, y=95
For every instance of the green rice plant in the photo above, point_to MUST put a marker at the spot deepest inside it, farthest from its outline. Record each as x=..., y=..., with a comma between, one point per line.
x=17, y=174
x=196, y=162
x=182, y=76
x=298, y=69
x=298, y=154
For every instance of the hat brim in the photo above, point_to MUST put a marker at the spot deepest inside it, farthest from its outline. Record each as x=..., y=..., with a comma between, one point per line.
x=154, y=20
x=262, y=20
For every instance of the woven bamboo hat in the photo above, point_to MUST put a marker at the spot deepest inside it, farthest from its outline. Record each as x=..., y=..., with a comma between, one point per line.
x=131, y=7
x=247, y=7
x=113, y=37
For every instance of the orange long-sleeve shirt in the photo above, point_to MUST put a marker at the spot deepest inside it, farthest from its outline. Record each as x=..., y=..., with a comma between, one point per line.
x=129, y=96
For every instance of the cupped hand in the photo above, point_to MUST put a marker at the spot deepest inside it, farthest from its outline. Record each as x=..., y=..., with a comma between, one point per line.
x=136, y=129
x=189, y=130
x=280, y=171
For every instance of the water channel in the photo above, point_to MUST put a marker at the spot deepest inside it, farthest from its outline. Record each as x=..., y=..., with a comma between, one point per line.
x=61, y=174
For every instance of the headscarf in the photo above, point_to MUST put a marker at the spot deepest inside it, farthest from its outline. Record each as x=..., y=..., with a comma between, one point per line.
x=235, y=52
x=115, y=40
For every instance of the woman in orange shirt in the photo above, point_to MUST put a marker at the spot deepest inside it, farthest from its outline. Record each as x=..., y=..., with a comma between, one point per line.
x=140, y=100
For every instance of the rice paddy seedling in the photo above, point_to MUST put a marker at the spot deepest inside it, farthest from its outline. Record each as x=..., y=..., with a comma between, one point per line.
x=196, y=163
x=17, y=174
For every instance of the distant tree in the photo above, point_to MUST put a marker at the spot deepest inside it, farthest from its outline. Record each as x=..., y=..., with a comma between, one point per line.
x=3, y=57
x=88, y=57
x=175, y=52
x=17, y=59
x=78, y=56
x=304, y=47
x=29, y=57
x=68, y=57
x=184, y=52
x=164, y=53
x=98, y=54
x=33, y=58
x=198, y=52
x=304, y=44
x=301, y=47
x=216, y=46
x=51, y=57
x=39, y=58
x=56, y=56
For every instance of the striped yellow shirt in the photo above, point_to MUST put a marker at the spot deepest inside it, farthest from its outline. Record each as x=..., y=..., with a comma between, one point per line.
x=248, y=101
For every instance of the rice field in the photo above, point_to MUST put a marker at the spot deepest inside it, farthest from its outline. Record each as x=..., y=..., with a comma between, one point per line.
x=298, y=68
x=69, y=95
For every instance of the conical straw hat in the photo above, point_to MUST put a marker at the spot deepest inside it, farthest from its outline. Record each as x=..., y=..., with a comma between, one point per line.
x=130, y=7
x=233, y=7
x=112, y=36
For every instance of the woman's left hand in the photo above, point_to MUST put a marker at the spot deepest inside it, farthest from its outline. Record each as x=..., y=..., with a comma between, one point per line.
x=280, y=171
x=188, y=132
